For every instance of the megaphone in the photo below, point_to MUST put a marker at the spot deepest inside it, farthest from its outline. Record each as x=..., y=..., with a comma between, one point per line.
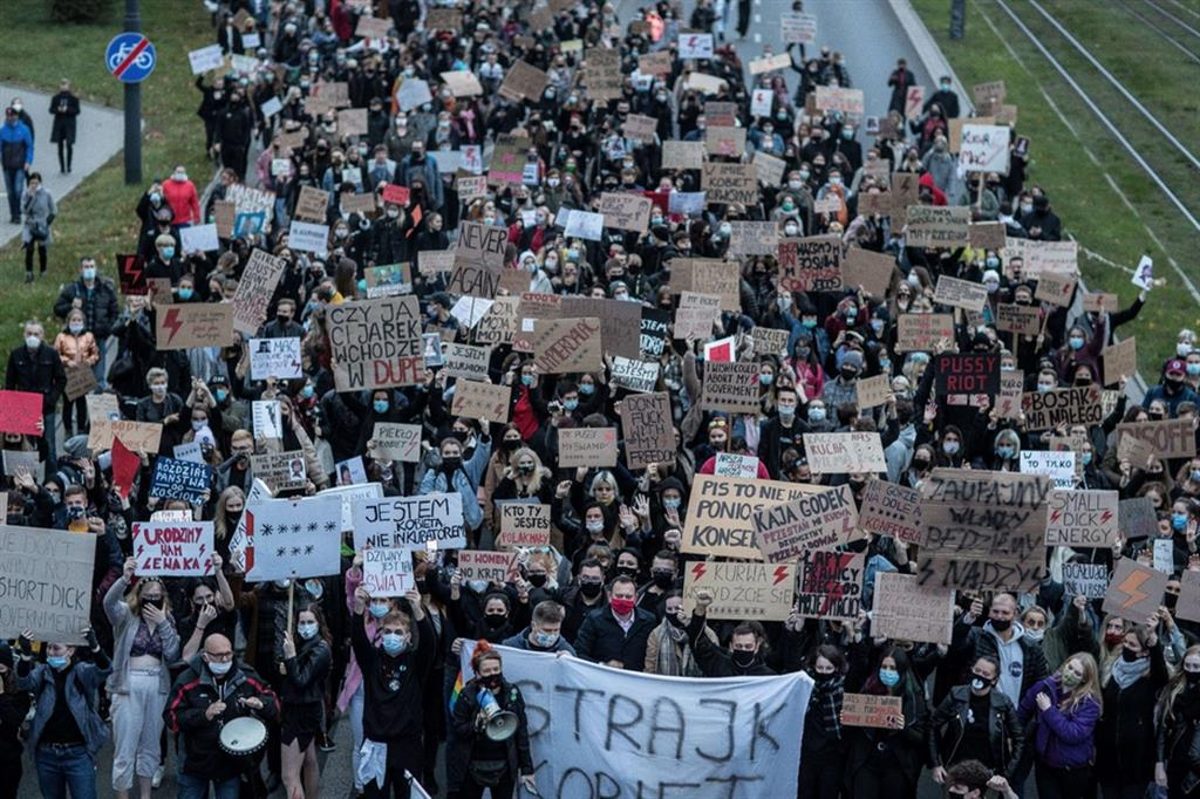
x=501, y=724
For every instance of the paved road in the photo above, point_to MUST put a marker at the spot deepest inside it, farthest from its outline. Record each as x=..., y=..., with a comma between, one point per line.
x=101, y=135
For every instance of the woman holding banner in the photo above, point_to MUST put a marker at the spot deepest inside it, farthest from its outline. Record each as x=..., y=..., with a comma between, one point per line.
x=145, y=643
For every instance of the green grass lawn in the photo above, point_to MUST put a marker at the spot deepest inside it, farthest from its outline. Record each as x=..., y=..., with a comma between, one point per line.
x=98, y=218
x=1091, y=209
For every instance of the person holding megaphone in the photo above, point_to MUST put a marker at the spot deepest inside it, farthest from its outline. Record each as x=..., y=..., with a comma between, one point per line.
x=491, y=744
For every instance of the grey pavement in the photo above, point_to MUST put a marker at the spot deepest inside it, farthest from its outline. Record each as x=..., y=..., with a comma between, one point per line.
x=100, y=134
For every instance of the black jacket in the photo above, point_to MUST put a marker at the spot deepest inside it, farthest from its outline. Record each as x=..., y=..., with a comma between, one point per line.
x=307, y=673
x=950, y=718
x=40, y=371
x=99, y=305
x=193, y=691
x=717, y=662
x=64, y=106
x=394, y=687
x=1125, y=735
x=466, y=734
x=601, y=639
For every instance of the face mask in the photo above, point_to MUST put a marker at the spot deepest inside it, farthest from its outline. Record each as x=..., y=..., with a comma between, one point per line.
x=451, y=464
x=979, y=685
x=672, y=503
x=595, y=527
x=220, y=669
x=816, y=414
x=380, y=406
x=791, y=230
x=89, y=273
x=1027, y=208
x=537, y=580
x=1035, y=635
x=1129, y=656
x=591, y=590
x=587, y=389
x=220, y=394
x=76, y=327
x=544, y=640
x=571, y=405
x=57, y=662
x=1001, y=625
x=155, y=198
x=622, y=607
x=495, y=620
x=179, y=177
x=889, y=677
x=1044, y=388
x=158, y=389
x=379, y=609
x=1076, y=342
x=1069, y=680
x=992, y=262
x=527, y=380
x=1182, y=349
x=835, y=181
x=1004, y=452
x=168, y=253
x=1087, y=459
x=743, y=658
x=307, y=631
x=849, y=373
x=789, y=206
x=1178, y=521
x=1193, y=369
x=950, y=447
x=766, y=378
x=1192, y=677
x=394, y=643
x=185, y=293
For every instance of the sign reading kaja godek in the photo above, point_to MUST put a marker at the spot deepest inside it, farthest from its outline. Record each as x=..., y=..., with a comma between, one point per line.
x=698, y=738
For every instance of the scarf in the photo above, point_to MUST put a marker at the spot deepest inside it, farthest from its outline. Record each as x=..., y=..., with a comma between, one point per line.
x=674, y=654
x=1126, y=674
x=826, y=700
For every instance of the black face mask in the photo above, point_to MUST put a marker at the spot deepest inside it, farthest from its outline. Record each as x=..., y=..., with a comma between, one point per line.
x=664, y=579
x=495, y=621
x=743, y=659
x=1193, y=678
x=674, y=620
x=628, y=571
x=536, y=580
x=157, y=604
x=451, y=464
x=1169, y=600
x=511, y=445
x=591, y=590
x=1000, y=625
x=849, y=373
x=1128, y=655
x=492, y=683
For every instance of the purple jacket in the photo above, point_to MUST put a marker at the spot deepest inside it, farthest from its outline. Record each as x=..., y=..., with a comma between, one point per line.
x=1063, y=739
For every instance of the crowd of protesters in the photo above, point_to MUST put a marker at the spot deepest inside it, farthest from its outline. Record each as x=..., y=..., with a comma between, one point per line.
x=1038, y=687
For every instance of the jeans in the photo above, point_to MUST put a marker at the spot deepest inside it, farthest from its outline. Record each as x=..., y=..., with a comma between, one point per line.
x=60, y=768
x=14, y=184
x=193, y=787
x=101, y=367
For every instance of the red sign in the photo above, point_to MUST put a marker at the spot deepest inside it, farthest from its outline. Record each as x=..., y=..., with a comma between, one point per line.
x=125, y=465
x=21, y=412
x=397, y=195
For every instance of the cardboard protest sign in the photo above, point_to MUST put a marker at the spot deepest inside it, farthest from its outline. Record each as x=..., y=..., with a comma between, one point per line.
x=770, y=341
x=80, y=380
x=1058, y=466
x=648, y=430
x=903, y=610
x=568, y=345
x=984, y=530
x=312, y=204
x=938, y=226
x=1057, y=289
x=1082, y=518
x=696, y=45
x=913, y=101
x=922, y=332
x=634, y=375
x=376, y=343
x=821, y=520
x=835, y=98
x=1135, y=591
x=770, y=170
x=173, y=549
x=709, y=276
x=720, y=513
x=137, y=436
x=409, y=522
x=206, y=59
x=619, y=322
x=695, y=316
x=741, y=590
x=18, y=461
x=1170, y=438
x=478, y=259
x=54, y=571
x=869, y=710
x=965, y=378
x=1137, y=517
x=640, y=128
x=984, y=148
x=194, y=324
x=798, y=28
x=682, y=154
x=462, y=83
x=1023, y=319
x=387, y=572
x=729, y=183
x=178, y=479
x=523, y=81
x=1087, y=579
x=587, y=446
x=729, y=464
x=890, y=509
x=478, y=400
x=500, y=322
x=489, y=565
x=830, y=585
x=255, y=289
x=657, y=63
x=730, y=387
x=1012, y=387
x=725, y=141
x=753, y=238
x=873, y=391
x=905, y=192
x=131, y=274
x=965, y=294
x=1078, y=405
x=445, y=19
x=467, y=361
x=1120, y=360
x=811, y=264
x=987, y=235
x=281, y=471
x=870, y=270
x=102, y=406
x=523, y=524
x=855, y=452
x=1103, y=301
x=398, y=442
x=275, y=357
x=760, y=66
x=625, y=211
x=1188, y=605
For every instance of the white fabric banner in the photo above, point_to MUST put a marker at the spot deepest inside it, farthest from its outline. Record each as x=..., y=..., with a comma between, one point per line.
x=599, y=731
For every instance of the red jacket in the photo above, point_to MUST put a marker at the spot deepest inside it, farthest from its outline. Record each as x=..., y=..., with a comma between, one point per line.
x=182, y=197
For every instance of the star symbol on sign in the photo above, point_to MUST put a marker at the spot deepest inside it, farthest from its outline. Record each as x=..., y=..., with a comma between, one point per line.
x=279, y=553
x=295, y=550
x=330, y=526
x=296, y=528
x=308, y=550
x=312, y=527
x=267, y=529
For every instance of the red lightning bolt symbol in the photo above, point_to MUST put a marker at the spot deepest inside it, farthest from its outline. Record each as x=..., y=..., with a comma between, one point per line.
x=1131, y=585
x=140, y=548
x=171, y=322
x=698, y=570
x=202, y=548
x=780, y=574
x=1054, y=516
x=1105, y=516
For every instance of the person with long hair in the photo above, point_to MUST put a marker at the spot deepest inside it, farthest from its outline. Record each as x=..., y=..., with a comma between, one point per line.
x=1124, y=744
x=145, y=643
x=1064, y=709
x=824, y=744
x=303, y=699
x=886, y=763
x=1177, y=725
x=230, y=505
x=14, y=706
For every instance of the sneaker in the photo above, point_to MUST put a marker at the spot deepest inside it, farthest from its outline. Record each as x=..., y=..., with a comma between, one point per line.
x=325, y=743
x=159, y=773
